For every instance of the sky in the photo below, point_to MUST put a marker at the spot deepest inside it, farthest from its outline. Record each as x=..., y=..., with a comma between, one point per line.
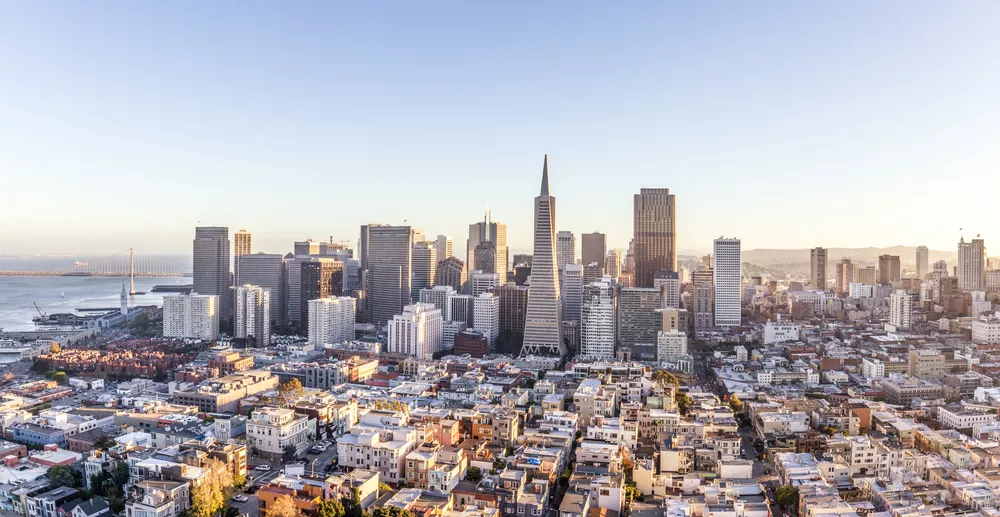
x=788, y=124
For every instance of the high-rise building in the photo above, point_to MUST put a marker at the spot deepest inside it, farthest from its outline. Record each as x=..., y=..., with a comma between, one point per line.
x=866, y=274
x=597, y=330
x=671, y=345
x=888, y=269
x=845, y=275
x=390, y=255
x=253, y=314
x=593, y=248
x=266, y=270
x=900, y=305
x=941, y=268
x=462, y=309
x=703, y=299
x=471, y=342
x=637, y=317
x=440, y=296
x=211, y=266
x=495, y=234
x=572, y=292
x=486, y=315
x=307, y=247
x=726, y=281
x=425, y=260
x=543, y=322
x=592, y=272
x=443, y=246
x=923, y=261
x=331, y=320
x=416, y=332
x=818, y=268
x=352, y=276
x=613, y=264
x=191, y=316
x=971, y=265
x=241, y=246
x=565, y=249
x=668, y=283
x=513, y=307
x=483, y=282
x=452, y=272
x=320, y=278
x=484, y=258
x=654, y=240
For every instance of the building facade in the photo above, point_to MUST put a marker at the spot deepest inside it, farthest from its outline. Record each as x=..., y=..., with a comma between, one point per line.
x=593, y=248
x=889, y=270
x=331, y=320
x=726, y=282
x=543, y=321
x=818, y=268
x=486, y=316
x=417, y=331
x=597, y=330
x=971, y=265
x=211, y=266
x=266, y=270
x=654, y=239
x=253, y=314
x=191, y=316
x=389, y=259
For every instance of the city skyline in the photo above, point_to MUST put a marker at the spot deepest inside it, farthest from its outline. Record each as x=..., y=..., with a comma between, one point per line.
x=128, y=129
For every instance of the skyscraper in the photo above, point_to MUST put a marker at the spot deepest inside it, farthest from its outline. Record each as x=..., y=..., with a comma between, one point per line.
x=495, y=234
x=971, y=265
x=390, y=255
x=543, y=322
x=703, y=299
x=513, y=306
x=923, y=261
x=900, y=307
x=451, y=271
x=211, y=266
x=331, y=320
x=482, y=282
x=443, y=246
x=425, y=261
x=416, y=331
x=192, y=316
x=253, y=314
x=817, y=268
x=266, y=270
x=888, y=269
x=637, y=317
x=440, y=297
x=613, y=264
x=597, y=330
x=668, y=283
x=845, y=275
x=572, y=292
x=241, y=246
x=306, y=247
x=726, y=281
x=865, y=274
x=486, y=314
x=320, y=278
x=654, y=241
x=593, y=248
x=565, y=249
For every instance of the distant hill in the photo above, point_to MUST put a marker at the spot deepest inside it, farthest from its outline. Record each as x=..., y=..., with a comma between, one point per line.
x=907, y=255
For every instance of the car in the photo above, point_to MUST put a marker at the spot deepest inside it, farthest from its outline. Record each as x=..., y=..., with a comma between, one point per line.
x=240, y=498
x=263, y=468
x=329, y=467
x=252, y=489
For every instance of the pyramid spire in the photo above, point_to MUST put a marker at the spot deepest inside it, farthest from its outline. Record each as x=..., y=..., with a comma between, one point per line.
x=545, y=177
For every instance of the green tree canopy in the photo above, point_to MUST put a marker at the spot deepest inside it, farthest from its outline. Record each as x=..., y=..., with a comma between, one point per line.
x=787, y=496
x=61, y=475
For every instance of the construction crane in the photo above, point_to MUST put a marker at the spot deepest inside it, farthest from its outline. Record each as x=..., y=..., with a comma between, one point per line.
x=41, y=314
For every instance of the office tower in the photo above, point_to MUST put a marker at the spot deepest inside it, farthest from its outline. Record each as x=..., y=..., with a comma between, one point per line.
x=471, y=343
x=293, y=289
x=451, y=271
x=390, y=254
x=971, y=265
x=482, y=282
x=211, y=266
x=637, y=317
x=495, y=234
x=320, y=278
x=597, y=330
x=613, y=264
x=439, y=296
x=306, y=247
x=565, y=249
x=593, y=248
x=484, y=257
x=845, y=275
x=980, y=304
x=331, y=320
x=888, y=269
x=253, y=314
x=352, y=276
x=668, y=283
x=703, y=299
x=859, y=290
x=941, y=268
x=817, y=268
x=449, y=330
x=443, y=246
x=671, y=334
x=191, y=316
x=866, y=274
x=654, y=240
x=900, y=305
x=462, y=309
x=486, y=315
x=726, y=281
x=241, y=246
x=416, y=332
x=672, y=319
x=543, y=322
x=572, y=292
x=521, y=274
x=363, y=245
x=591, y=273
x=425, y=261
x=266, y=270
x=513, y=307
x=923, y=261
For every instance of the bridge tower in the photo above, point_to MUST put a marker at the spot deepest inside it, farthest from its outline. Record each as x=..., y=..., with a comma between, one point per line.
x=131, y=271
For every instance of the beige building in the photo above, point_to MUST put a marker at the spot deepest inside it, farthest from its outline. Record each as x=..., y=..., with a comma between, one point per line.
x=271, y=429
x=223, y=395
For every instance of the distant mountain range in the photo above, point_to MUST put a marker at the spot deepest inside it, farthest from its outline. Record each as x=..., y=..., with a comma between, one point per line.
x=907, y=255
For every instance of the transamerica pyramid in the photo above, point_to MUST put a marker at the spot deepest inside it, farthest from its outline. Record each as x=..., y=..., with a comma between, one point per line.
x=543, y=320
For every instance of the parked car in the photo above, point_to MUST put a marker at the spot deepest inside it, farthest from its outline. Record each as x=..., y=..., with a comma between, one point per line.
x=240, y=498
x=263, y=468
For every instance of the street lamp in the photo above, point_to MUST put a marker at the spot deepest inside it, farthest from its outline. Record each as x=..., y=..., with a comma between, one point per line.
x=314, y=466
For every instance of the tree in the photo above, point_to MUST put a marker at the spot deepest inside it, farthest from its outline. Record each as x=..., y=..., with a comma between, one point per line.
x=54, y=348
x=383, y=487
x=289, y=392
x=665, y=378
x=288, y=453
x=229, y=511
x=736, y=404
x=330, y=508
x=787, y=496
x=473, y=474
x=283, y=506
x=352, y=505
x=105, y=442
x=61, y=378
x=61, y=475
x=214, y=488
x=683, y=402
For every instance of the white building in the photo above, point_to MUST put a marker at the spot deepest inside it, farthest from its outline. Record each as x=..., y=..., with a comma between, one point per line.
x=779, y=332
x=986, y=330
x=923, y=261
x=726, y=278
x=971, y=265
x=671, y=345
x=486, y=315
x=572, y=294
x=980, y=303
x=331, y=320
x=417, y=331
x=192, y=316
x=954, y=417
x=669, y=284
x=253, y=313
x=443, y=246
x=270, y=429
x=597, y=331
x=872, y=368
x=900, y=307
x=378, y=445
x=856, y=290
x=440, y=296
x=482, y=282
x=565, y=249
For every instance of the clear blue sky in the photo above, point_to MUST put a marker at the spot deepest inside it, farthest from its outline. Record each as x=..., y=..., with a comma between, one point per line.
x=788, y=124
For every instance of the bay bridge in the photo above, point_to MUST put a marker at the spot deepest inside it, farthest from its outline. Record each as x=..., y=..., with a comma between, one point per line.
x=124, y=263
